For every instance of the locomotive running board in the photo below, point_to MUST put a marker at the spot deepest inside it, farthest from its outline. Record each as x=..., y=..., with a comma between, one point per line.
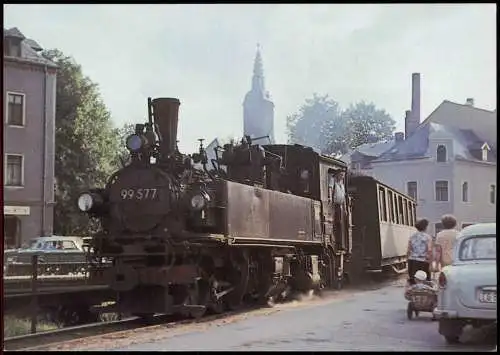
x=263, y=242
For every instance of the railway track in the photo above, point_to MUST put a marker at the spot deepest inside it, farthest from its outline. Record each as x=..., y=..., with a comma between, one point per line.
x=52, y=338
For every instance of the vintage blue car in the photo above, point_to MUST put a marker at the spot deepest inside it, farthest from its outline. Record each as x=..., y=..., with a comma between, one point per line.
x=468, y=287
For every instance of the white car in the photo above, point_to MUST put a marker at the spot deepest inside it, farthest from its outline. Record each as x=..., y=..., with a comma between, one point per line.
x=468, y=287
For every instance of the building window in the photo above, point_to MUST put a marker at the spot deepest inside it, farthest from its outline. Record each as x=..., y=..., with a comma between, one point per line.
x=12, y=48
x=12, y=231
x=493, y=194
x=442, y=191
x=465, y=192
x=411, y=188
x=484, y=150
x=441, y=154
x=14, y=170
x=438, y=227
x=15, y=110
x=355, y=166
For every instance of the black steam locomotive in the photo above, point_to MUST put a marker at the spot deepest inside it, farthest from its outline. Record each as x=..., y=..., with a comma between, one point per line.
x=253, y=224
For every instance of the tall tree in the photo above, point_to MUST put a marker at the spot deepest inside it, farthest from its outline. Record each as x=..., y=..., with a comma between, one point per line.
x=307, y=127
x=321, y=123
x=86, y=143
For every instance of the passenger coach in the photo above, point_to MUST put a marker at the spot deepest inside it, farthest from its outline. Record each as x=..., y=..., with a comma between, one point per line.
x=382, y=221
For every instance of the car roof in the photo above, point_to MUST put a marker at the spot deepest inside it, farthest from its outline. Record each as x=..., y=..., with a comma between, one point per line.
x=57, y=237
x=479, y=229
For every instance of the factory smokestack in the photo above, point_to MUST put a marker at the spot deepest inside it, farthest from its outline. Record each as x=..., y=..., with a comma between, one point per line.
x=415, y=96
x=412, y=121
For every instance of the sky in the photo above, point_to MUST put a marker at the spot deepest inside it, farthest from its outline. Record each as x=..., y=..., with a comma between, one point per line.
x=203, y=55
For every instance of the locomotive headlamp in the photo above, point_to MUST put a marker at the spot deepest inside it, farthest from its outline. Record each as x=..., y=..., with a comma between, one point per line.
x=134, y=142
x=85, y=202
x=89, y=201
x=199, y=201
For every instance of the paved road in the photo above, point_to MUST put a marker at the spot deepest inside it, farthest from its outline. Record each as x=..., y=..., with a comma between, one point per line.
x=370, y=320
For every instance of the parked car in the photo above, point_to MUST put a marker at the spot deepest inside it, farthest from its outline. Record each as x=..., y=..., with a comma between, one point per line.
x=468, y=287
x=62, y=254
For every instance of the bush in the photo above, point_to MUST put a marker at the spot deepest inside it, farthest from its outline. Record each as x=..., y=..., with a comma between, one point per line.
x=20, y=326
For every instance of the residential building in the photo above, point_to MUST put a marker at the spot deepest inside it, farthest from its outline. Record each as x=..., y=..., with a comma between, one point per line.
x=448, y=163
x=29, y=90
x=258, y=109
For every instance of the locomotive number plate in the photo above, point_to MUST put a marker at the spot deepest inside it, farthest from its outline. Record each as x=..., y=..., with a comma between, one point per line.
x=138, y=194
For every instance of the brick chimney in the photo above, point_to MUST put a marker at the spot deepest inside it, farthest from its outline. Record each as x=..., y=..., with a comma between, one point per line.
x=469, y=101
x=412, y=119
x=407, y=122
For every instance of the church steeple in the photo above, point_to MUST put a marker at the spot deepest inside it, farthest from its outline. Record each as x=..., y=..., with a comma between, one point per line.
x=258, y=73
x=258, y=109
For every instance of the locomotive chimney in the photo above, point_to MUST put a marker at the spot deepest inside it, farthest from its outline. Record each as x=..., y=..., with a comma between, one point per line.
x=166, y=117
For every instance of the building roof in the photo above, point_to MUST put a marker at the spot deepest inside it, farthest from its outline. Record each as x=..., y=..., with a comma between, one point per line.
x=372, y=150
x=464, y=116
x=465, y=144
x=30, y=49
x=13, y=32
x=33, y=44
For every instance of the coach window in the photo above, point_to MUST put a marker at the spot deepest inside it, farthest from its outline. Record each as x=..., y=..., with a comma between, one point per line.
x=405, y=212
x=410, y=214
x=414, y=213
x=400, y=210
x=382, y=204
x=396, y=210
x=389, y=203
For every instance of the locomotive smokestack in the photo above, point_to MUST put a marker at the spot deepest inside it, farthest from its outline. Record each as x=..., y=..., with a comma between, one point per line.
x=166, y=117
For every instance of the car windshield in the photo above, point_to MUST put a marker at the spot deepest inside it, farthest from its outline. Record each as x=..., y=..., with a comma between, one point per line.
x=42, y=244
x=478, y=248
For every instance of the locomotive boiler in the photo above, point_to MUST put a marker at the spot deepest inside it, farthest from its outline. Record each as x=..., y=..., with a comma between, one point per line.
x=188, y=235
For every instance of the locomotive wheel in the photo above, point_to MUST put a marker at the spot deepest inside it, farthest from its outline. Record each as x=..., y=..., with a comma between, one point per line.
x=235, y=298
x=216, y=307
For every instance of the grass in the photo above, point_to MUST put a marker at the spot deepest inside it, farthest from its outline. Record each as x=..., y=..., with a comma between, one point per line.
x=14, y=326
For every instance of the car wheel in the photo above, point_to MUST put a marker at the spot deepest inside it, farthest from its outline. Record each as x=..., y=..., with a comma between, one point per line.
x=452, y=339
x=451, y=329
x=409, y=310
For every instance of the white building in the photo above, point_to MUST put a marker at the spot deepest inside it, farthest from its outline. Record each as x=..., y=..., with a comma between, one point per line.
x=448, y=163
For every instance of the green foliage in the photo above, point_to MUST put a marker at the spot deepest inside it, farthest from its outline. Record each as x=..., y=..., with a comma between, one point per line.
x=321, y=123
x=86, y=143
x=14, y=326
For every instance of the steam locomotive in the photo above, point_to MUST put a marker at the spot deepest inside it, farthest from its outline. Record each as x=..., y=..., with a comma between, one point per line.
x=252, y=225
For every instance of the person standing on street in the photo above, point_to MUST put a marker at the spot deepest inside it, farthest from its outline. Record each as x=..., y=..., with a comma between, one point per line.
x=445, y=239
x=419, y=251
